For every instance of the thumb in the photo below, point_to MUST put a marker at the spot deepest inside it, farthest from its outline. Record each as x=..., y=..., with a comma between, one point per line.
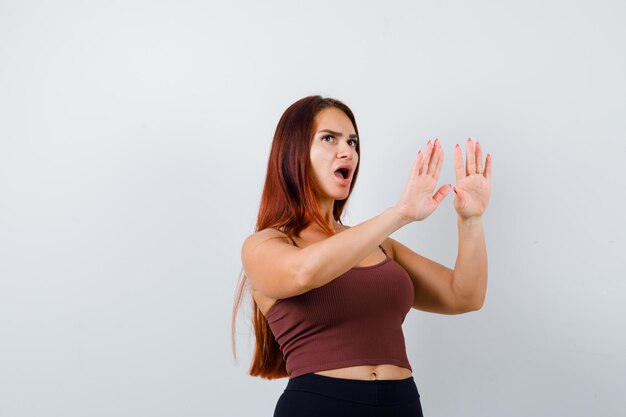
x=442, y=193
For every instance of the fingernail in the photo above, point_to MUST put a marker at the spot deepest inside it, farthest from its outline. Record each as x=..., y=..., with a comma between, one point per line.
x=458, y=146
x=454, y=188
x=428, y=143
x=469, y=139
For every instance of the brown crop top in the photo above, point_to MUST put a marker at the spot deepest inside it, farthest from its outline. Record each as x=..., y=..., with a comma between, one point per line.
x=355, y=319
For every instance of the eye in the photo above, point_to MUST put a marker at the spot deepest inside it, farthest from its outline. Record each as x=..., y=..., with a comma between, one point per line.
x=327, y=136
x=354, y=141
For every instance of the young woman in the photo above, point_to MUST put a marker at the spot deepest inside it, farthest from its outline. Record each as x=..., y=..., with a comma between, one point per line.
x=329, y=299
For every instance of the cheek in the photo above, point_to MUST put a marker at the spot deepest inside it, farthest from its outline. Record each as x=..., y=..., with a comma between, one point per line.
x=317, y=168
x=319, y=158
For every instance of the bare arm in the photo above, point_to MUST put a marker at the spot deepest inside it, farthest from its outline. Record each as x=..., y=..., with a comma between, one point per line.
x=469, y=282
x=279, y=270
x=439, y=289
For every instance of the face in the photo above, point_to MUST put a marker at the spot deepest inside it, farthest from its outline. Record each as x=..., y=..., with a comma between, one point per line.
x=333, y=147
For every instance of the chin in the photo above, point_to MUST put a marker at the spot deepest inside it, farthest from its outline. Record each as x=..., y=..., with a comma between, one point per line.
x=337, y=196
x=342, y=196
x=337, y=193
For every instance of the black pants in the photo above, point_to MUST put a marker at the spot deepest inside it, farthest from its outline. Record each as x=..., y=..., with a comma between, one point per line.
x=313, y=395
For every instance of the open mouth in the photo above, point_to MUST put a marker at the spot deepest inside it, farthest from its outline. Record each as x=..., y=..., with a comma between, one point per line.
x=342, y=173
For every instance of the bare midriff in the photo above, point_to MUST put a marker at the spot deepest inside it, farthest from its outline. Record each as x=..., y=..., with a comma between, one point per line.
x=369, y=372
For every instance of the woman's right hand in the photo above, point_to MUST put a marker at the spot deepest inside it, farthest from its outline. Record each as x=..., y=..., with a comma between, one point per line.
x=417, y=201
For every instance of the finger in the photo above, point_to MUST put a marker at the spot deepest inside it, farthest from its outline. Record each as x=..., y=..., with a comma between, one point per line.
x=414, y=169
x=470, y=157
x=488, y=168
x=432, y=166
x=459, y=170
x=424, y=165
x=479, y=159
x=439, y=164
x=416, y=164
x=442, y=193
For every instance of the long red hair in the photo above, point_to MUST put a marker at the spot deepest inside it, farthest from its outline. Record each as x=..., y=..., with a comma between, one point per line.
x=288, y=203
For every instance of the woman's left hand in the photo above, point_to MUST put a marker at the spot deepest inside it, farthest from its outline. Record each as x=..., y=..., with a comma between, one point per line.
x=473, y=182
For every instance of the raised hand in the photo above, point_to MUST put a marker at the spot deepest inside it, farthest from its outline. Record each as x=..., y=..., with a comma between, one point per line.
x=473, y=182
x=417, y=201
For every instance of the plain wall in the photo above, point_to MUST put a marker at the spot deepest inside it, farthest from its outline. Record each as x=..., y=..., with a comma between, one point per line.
x=134, y=138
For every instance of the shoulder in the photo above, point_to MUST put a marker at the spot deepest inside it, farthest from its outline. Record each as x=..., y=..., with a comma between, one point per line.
x=252, y=243
x=265, y=234
x=388, y=245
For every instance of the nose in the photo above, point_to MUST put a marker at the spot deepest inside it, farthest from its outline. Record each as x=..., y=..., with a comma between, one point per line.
x=346, y=151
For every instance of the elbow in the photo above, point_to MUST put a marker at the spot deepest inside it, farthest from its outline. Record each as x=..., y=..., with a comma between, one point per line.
x=473, y=300
x=475, y=305
x=303, y=277
x=307, y=271
x=469, y=306
x=311, y=272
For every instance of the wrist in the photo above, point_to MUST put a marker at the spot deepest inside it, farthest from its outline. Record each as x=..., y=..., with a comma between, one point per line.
x=469, y=220
x=400, y=220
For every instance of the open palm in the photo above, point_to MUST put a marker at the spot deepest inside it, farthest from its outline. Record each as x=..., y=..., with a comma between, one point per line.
x=473, y=182
x=417, y=201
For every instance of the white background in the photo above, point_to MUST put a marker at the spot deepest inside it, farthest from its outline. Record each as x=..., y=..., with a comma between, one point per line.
x=134, y=138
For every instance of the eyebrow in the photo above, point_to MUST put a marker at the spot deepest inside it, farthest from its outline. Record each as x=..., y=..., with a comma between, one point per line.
x=352, y=136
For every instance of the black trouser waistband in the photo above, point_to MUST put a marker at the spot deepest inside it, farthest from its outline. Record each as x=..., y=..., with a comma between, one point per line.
x=374, y=392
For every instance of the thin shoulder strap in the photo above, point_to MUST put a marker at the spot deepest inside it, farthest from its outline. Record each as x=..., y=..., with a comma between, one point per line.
x=290, y=238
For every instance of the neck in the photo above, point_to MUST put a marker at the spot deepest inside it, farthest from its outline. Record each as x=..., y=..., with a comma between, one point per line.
x=326, y=210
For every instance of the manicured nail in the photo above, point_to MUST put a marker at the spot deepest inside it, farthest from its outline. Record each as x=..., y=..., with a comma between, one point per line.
x=458, y=146
x=454, y=188
x=428, y=144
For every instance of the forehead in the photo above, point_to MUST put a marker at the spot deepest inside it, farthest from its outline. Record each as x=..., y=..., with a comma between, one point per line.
x=334, y=119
